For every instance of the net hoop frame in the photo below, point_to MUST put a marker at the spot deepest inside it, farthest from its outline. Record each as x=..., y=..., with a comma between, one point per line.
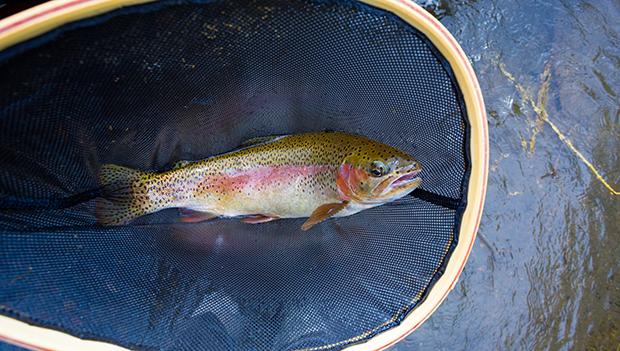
x=48, y=16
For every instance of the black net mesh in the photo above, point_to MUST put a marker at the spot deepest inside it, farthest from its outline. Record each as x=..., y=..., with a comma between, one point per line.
x=148, y=85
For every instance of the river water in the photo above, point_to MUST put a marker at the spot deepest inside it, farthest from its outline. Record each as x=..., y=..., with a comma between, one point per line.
x=545, y=275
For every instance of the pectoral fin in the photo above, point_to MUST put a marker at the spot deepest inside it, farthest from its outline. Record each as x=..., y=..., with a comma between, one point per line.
x=190, y=216
x=322, y=213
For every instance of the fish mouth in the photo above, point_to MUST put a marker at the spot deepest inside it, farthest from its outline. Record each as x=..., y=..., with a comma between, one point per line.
x=410, y=177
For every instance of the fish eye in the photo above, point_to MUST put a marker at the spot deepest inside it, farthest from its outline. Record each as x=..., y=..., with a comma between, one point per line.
x=378, y=169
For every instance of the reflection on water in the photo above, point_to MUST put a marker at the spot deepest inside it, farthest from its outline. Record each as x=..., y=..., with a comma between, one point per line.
x=549, y=279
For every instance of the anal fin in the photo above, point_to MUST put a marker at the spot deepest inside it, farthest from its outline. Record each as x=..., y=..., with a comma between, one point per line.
x=191, y=216
x=255, y=219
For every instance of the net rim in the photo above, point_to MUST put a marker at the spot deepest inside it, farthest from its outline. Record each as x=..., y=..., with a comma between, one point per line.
x=45, y=17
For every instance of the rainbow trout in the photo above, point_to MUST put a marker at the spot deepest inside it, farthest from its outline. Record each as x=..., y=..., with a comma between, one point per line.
x=314, y=175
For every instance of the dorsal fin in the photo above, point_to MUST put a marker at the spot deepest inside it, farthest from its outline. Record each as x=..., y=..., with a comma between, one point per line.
x=181, y=164
x=261, y=140
x=245, y=144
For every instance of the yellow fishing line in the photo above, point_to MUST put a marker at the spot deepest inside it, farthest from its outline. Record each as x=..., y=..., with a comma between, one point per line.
x=543, y=117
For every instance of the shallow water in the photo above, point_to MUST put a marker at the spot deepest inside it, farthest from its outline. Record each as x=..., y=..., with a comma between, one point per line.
x=546, y=277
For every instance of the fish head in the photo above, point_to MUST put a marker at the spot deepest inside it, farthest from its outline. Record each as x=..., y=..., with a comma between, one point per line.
x=376, y=173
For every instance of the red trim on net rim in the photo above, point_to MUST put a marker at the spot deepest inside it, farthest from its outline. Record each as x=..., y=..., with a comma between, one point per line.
x=23, y=344
x=470, y=70
x=424, y=14
x=42, y=13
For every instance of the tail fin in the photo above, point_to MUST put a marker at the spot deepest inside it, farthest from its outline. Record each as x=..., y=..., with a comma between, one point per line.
x=125, y=197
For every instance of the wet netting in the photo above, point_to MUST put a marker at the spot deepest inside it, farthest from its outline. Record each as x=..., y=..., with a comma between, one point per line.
x=148, y=85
